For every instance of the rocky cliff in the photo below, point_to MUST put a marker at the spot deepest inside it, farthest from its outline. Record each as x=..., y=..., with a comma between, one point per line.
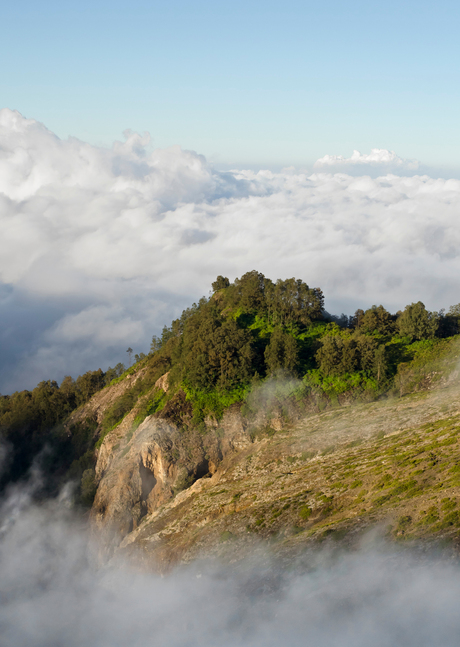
x=169, y=493
x=142, y=467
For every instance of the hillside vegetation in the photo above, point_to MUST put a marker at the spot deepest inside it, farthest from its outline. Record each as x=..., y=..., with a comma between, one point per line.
x=332, y=476
x=220, y=353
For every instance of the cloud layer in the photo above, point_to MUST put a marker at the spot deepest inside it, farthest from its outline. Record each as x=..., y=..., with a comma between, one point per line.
x=52, y=594
x=101, y=247
x=379, y=160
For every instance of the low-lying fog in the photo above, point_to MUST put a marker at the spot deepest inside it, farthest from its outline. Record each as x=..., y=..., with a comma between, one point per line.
x=53, y=594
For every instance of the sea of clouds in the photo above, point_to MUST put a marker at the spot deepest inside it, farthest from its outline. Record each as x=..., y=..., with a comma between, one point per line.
x=99, y=248
x=53, y=593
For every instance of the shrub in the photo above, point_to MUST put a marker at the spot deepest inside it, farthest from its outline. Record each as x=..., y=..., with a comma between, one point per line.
x=305, y=512
x=88, y=487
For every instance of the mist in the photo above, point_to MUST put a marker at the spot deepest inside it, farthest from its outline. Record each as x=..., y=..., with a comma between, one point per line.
x=53, y=592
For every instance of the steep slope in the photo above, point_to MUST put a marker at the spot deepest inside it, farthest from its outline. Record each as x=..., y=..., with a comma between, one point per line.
x=167, y=496
x=141, y=468
x=256, y=396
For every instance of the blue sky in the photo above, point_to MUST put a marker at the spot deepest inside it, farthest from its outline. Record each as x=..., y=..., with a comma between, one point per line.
x=255, y=83
x=103, y=244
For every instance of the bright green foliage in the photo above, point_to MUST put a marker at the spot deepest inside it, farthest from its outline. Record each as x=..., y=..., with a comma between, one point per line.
x=118, y=410
x=213, y=402
x=305, y=512
x=332, y=386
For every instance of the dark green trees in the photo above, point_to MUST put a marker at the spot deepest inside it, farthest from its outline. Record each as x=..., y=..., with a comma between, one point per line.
x=220, y=283
x=449, y=324
x=376, y=320
x=215, y=345
x=416, y=322
x=215, y=352
x=249, y=291
x=339, y=355
x=31, y=421
x=281, y=353
x=292, y=301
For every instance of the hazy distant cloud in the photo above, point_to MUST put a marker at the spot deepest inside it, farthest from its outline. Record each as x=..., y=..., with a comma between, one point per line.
x=379, y=159
x=101, y=247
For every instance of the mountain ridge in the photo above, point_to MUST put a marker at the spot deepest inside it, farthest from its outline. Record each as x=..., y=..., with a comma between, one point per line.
x=250, y=388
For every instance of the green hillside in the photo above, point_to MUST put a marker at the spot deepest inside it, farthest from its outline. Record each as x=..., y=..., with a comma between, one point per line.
x=219, y=353
x=391, y=465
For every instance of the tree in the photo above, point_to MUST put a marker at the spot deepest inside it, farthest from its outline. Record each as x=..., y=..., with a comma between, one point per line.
x=329, y=356
x=87, y=384
x=282, y=352
x=366, y=347
x=357, y=319
x=249, y=291
x=155, y=344
x=215, y=353
x=449, y=324
x=291, y=353
x=339, y=355
x=292, y=301
x=377, y=320
x=220, y=283
x=416, y=322
x=380, y=363
x=130, y=352
x=67, y=389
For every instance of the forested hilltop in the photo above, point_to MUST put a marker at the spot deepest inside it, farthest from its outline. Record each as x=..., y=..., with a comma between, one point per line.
x=216, y=353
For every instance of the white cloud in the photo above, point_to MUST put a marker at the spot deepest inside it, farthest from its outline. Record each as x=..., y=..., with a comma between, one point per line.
x=102, y=247
x=378, y=159
x=53, y=593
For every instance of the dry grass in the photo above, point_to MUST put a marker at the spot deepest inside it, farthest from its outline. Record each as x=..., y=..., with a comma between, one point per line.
x=394, y=462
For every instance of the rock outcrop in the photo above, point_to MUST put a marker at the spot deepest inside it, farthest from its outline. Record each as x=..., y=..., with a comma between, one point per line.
x=140, y=469
x=96, y=407
x=147, y=467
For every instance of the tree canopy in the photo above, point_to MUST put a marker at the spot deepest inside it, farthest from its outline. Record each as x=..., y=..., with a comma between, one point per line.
x=245, y=331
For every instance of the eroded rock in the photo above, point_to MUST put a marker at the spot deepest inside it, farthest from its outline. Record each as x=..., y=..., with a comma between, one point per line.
x=146, y=469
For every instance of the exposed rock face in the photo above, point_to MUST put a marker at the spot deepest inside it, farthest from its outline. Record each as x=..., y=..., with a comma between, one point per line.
x=145, y=469
x=163, y=382
x=168, y=493
x=324, y=480
x=235, y=437
x=139, y=470
x=101, y=401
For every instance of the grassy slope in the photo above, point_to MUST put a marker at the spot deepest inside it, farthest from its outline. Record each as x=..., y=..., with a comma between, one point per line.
x=394, y=462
